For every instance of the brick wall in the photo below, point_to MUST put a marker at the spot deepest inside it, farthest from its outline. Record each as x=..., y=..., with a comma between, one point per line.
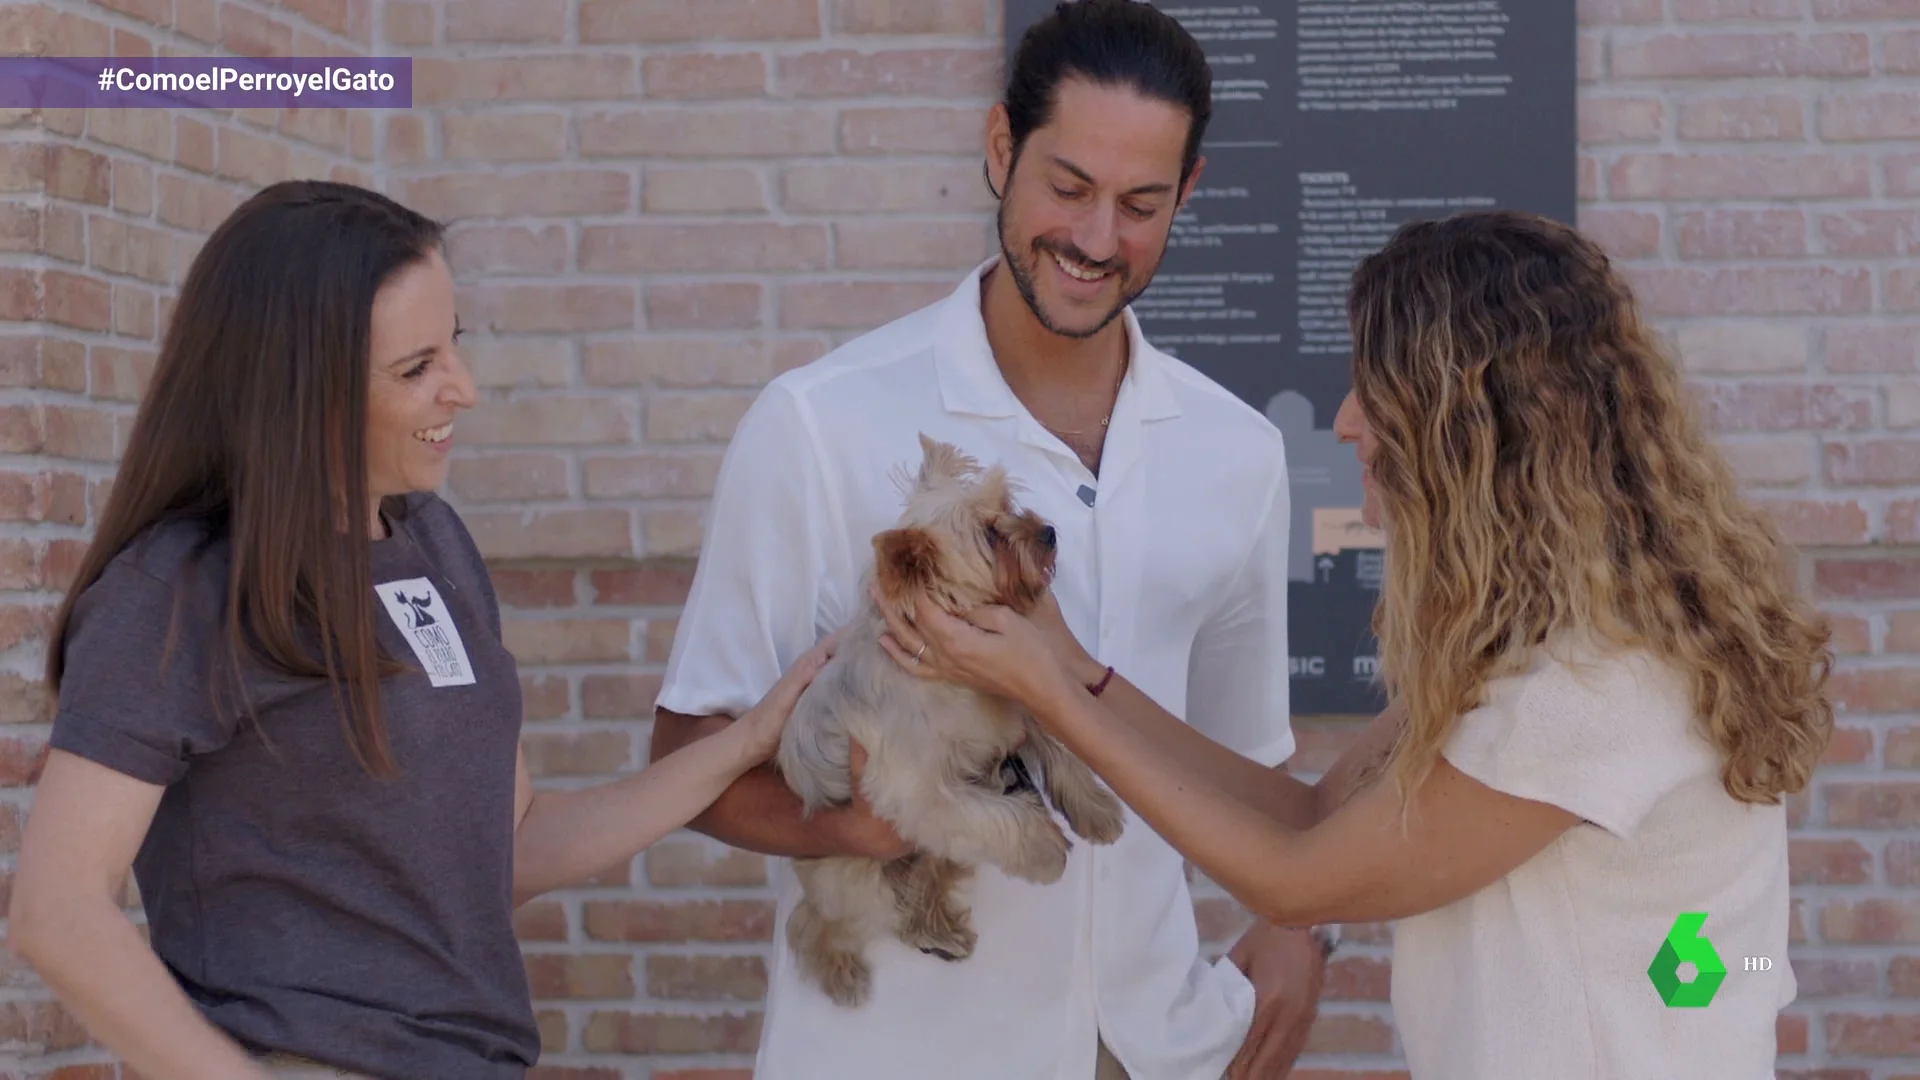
x=659, y=204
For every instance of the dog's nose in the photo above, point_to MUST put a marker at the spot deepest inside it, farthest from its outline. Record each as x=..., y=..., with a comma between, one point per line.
x=1047, y=536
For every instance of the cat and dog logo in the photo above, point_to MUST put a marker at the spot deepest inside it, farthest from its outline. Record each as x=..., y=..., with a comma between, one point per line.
x=421, y=615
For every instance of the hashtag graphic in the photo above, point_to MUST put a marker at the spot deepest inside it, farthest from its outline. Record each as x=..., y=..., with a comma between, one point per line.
x=106, y=78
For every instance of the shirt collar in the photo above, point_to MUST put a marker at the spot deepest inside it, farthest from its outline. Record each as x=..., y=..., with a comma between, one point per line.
x=971, y=383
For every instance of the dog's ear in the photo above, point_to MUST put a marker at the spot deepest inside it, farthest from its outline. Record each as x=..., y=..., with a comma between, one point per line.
x=906, y=562
x=942, y=463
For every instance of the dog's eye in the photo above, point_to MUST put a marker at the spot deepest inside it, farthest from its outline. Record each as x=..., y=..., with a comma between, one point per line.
x=993, y=535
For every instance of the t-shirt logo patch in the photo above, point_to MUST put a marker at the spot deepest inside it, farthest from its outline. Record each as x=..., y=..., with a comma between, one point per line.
x=422, y=616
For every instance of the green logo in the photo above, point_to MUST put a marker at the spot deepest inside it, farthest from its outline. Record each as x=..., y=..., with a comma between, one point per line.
x=1685, y=944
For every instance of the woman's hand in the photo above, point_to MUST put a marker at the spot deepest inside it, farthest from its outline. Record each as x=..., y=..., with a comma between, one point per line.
x=992, y=650
x=762, y=725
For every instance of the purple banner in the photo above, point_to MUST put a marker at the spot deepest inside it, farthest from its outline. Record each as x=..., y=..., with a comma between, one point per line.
x=206, y=82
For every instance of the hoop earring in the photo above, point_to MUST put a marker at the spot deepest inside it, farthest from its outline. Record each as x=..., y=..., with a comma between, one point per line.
x=987, y=175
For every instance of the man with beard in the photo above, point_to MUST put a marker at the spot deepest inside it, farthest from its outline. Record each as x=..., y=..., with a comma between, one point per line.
x=1170, y=501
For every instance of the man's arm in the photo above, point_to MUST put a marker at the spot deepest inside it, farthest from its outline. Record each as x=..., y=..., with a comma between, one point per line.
x=758, y=812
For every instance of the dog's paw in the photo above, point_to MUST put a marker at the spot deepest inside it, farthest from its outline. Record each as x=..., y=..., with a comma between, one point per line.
x=1100, y=818
x=1042, y=855
x=947, y=940
x=846, y=979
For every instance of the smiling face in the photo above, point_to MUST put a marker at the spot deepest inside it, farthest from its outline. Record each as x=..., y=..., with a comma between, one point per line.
x=1086, y=208
x=1350, y=425
x=419, y=381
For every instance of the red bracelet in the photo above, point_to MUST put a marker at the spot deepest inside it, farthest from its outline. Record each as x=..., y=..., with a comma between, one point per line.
x=1095, y=688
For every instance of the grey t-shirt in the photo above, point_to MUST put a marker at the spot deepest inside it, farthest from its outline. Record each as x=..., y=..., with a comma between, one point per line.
x=303, y=905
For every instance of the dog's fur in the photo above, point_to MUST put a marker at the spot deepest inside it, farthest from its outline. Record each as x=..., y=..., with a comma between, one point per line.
x=946, y=766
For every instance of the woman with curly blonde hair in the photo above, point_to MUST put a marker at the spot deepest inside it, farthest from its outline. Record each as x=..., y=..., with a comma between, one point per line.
x=1602, y=685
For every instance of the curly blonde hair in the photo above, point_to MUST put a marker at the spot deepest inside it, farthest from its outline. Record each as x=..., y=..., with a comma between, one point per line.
x=1540, y=472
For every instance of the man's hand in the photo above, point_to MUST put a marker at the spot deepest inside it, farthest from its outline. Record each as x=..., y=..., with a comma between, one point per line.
x=1287, y=968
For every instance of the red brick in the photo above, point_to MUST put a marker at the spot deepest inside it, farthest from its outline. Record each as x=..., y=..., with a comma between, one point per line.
x=1816, y=522
x=1882, y=805
x=1872, y=349
x=589, y=977
x=701, y=416
x=503, y=137
x=911, y=245
x=1348, y=1033
x=552, y=308
x=1903, y=521
x=1829, y=862
x=1870, y=233
x=670, y=1033
x=679, y=362
x=81, y=301
x=80, y=432
x=1874, y=462
x=1876, y=690
x=552, y=534
x=541, y=193
x=628, y=21
x=723, y=189
x=121, y=247
x=1741, y=54
x=23, y=700
x=541, y=920
x=1903, y=976
x=409, y=22
x=707, y=978
x=935, y=73
x=704, y=75
x=1852, y=635
x=748, y=131
x=917, y=129
x=650, y=476
x=1902, y=862
x=1902, y=289
x=523, y=587
x=717, y=247
x=20, y=760
x=694, y=864
x=1742, y=234
x=964, y=17
x=570, y=420
x=619, y=697
x=510, y=477
x=594, y=76
x=478, y=250
x=711, y=305
x=657, y=582
x=79, y=175
x=1857, y=117
x=1900, y=52
x=591, y=753
x=854, y=305
x=568, y=641
x=1818, y=977
x=407, y=140
x=521, y=363
x=888, y=189
x=507, y=21
x=1617, y=12
x=1624, y=232
x=1590, y=56
x=678, y=921
x=1613, y=119
x=1790, y=1034
x=1866, y=9
x=1708, y=11
x=1741, y=346
x=1769, y=407
x=1887, y=1035
x=1903, y=748
x=1739, y=175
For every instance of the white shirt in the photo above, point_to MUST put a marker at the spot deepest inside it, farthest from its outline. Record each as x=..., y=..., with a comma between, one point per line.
x=1544, y=972
x=1176, y=575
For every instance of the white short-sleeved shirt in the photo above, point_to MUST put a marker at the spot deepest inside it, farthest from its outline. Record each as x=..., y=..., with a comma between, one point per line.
x=1176, y=574
x=1544, y=972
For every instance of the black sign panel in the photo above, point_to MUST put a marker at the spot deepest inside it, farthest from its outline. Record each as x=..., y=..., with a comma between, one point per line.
x=1334, y=122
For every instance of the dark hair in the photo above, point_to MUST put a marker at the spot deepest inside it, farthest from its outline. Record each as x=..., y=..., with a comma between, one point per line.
x=1110, y=43
x=255, y=425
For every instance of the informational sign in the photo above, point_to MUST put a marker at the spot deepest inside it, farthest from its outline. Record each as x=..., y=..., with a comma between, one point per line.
x=1335, y=122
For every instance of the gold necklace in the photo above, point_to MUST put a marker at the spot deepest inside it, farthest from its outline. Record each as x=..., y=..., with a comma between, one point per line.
x=1103, y=420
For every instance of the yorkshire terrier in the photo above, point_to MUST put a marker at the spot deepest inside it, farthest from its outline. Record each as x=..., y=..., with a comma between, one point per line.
x=950, y=768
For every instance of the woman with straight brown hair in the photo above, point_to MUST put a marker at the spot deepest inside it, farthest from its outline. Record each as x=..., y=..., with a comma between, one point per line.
x=1601, y=680
x=284, y=700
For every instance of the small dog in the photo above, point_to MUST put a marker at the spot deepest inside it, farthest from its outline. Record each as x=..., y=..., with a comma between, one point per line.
x=948, y=767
